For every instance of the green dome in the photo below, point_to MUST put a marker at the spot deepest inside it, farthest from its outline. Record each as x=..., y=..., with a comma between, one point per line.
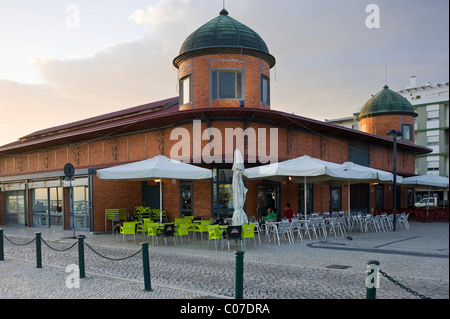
x=386, y=102
x=224, y=34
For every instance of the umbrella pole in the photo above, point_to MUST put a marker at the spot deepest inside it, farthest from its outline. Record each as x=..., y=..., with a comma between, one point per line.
x=304, y=190
x=160, y=200
x=348, y=199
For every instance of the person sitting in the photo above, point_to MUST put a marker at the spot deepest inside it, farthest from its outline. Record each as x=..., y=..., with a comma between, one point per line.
x=270, y=214
x=288, y=213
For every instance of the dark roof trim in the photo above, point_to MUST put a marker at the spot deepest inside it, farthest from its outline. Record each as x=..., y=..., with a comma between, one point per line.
x=172, y=117
x=224, y=50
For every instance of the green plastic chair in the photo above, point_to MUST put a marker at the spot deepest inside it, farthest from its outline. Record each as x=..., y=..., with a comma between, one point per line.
x=128, y=229
x=202, y=227
x=182, y=230
x=152, y=231
x=140, y=229
x=215, y=233
x=249, y=232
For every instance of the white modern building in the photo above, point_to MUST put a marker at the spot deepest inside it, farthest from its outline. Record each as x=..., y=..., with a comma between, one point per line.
x=431, y=103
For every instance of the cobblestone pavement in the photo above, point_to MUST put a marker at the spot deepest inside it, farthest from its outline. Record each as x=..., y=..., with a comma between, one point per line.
x=418, y=258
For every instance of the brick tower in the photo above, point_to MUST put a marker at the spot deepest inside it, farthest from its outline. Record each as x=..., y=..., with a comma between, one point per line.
x=385, y=111
x=224, y=64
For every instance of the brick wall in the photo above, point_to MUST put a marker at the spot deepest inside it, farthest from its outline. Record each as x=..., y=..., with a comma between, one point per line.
x=117, y=194
x=381, y=124
x=199, y=68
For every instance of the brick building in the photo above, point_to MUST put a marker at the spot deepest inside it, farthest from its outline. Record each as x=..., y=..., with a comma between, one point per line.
x=224, y=103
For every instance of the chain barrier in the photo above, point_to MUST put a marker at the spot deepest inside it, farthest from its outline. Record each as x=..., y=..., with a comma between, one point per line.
x=56, y=249
x=110, y=258
x=415, y=293
x=19, y=244
x=71, y=246
x=81, y=269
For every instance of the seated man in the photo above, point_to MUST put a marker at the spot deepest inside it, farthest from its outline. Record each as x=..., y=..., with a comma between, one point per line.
x=270, y=214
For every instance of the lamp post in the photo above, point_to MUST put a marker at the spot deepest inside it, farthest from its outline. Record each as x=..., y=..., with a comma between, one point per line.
x=394, y=135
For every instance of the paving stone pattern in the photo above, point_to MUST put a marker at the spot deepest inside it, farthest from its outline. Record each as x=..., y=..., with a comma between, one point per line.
x=417, y=258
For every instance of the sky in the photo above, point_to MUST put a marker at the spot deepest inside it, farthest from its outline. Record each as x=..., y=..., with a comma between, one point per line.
x=63, y=61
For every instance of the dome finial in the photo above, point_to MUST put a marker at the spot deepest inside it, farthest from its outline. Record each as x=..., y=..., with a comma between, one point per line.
x=224, y=12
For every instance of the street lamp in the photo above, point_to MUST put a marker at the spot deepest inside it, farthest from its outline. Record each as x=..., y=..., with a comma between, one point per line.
x=394, y=135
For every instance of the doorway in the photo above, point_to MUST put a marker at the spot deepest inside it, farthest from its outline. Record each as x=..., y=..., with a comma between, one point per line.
x=150, y=196
x=268, y=195
x=47, y=207
x=80, y=209
x=186, y=199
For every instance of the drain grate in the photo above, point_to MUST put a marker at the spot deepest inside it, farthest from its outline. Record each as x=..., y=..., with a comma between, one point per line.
x=337, y=266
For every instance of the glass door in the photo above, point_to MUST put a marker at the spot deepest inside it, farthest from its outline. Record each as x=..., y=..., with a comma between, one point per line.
x=15, y=208
x=47, y=208
x=222, y=193
x=80, y=208
x=56, y=206
x=186, y=199
x=335, y=198
x=268, y=196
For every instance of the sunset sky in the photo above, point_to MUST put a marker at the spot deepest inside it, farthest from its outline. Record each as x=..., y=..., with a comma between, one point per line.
x=62, y=61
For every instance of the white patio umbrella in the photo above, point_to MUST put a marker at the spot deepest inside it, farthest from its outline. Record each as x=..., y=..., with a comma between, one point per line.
x=301, y=168
x=429, y=180
x=426, y=180
x=158, y=167
x=239, y=190
x=378, y=176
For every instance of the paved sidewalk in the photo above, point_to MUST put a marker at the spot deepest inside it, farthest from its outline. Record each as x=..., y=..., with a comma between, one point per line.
x=418, y=258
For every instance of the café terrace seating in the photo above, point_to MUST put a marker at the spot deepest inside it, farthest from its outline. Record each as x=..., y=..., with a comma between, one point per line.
x=316, y=226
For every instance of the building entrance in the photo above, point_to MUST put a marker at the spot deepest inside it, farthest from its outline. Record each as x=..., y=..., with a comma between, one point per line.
x=268, y=195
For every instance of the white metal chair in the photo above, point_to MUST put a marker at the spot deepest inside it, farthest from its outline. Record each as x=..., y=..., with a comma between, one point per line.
x=284, y=230
x=370, y=221
x=330, y=224
x=295, y=228
x=305, y=227
x=379, y=221
x=318, y=225
x=257, y=229
x=402, y=220
x=272, y=228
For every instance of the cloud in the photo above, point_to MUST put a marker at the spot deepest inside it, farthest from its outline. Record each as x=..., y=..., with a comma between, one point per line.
x=328, y=62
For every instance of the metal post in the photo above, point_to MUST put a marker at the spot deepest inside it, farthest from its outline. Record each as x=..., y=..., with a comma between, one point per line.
x=146, y=267
x=81, y=256
x=38, y=251
x=395, y=184
x=2, y=256
x=372, y=279
x=239, y=275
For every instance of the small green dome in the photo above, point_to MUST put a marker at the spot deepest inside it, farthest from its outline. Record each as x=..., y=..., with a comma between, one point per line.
x=386, y=102
x=224, y=34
